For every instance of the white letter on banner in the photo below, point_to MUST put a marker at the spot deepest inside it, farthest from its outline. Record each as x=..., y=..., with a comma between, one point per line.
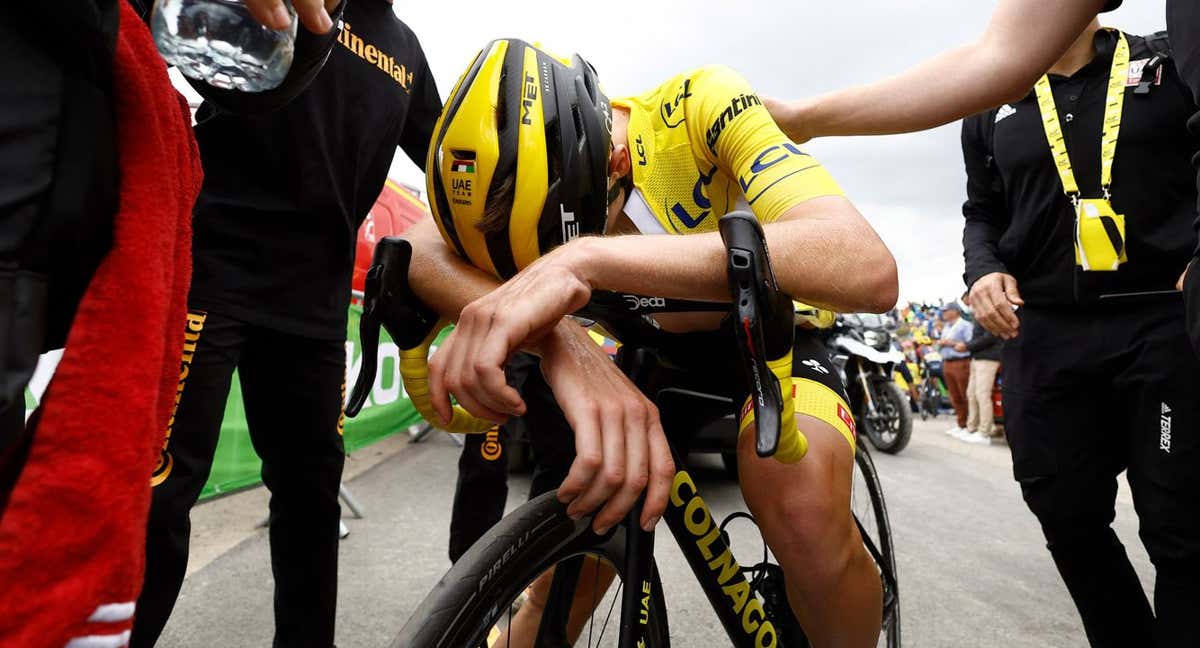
x=389, y=367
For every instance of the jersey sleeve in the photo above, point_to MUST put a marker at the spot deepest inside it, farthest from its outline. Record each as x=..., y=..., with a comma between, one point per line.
x=739, y=136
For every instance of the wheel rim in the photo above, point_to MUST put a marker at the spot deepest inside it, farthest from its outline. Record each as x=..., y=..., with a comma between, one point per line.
x=600, y=628
x=872, y=526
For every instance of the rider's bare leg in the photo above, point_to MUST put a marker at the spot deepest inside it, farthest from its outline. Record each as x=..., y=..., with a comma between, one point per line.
x=594, y=580
x=803, y=510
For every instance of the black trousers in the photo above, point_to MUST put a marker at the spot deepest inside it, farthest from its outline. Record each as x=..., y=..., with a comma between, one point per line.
x=292, y=390
x=482, y=488
x=1087, y=394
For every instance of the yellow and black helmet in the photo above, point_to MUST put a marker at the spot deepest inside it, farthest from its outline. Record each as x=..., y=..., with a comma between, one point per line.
x=530, y=129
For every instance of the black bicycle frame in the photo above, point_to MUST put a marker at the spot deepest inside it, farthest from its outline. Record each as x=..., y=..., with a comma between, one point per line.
x=702, y=544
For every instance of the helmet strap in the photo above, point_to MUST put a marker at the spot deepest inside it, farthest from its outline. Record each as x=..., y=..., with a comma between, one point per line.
x=623, y=183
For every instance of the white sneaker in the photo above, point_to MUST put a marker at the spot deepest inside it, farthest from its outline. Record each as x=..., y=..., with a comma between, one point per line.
x=976, y=438
x=956, y=432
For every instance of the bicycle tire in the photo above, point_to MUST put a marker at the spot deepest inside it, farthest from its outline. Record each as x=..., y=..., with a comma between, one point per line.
x=886, y=549
x=475, y=592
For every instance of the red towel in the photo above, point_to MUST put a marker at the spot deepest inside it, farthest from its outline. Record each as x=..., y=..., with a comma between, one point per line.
x=72, y=539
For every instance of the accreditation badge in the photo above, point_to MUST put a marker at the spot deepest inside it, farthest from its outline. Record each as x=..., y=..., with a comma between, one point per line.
x=1099, y=235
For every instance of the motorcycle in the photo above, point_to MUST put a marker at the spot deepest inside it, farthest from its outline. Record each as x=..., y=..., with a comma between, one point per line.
x=935, y=399
x=861, y=346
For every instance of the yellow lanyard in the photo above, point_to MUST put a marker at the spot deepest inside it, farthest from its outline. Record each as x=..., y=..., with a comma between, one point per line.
x=1113, y=104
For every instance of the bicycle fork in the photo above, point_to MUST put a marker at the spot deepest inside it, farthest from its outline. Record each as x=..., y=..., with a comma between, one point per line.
x=638, y=578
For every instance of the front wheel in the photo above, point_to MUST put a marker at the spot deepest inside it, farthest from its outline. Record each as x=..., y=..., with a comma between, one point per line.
x=478, y=599
x=870, y=514
x=890, y=427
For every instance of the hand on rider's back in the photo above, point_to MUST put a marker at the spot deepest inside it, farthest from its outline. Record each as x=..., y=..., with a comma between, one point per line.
x=993, y=298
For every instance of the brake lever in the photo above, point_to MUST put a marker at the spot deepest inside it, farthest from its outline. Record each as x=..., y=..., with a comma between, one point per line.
x=388, y=301
x=756, y=297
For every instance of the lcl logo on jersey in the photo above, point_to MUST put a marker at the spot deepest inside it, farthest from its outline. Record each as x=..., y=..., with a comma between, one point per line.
x=672, y=111
x=700, y=198
x=765, y=161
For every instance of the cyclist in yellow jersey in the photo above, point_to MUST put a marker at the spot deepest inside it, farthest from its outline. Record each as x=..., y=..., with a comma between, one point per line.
x=529, y=164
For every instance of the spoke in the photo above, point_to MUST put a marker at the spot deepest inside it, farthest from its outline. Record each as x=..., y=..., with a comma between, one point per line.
x=610, y=610
x=592, y=616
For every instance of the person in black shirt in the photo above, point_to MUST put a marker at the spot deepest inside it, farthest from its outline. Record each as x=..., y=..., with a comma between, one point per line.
x=284, y=193
x=1098, y=377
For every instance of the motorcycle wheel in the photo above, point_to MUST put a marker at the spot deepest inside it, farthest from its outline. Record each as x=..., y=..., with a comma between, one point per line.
x=890, y=429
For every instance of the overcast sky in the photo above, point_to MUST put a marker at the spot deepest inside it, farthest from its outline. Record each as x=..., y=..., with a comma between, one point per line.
x=910, y=187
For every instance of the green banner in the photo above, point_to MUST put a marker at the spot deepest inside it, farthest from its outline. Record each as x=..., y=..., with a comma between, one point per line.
x=236, y=465
x=386, y=412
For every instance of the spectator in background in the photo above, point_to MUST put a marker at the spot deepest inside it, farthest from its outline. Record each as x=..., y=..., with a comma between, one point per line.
x=985, y=363
x=956, y=364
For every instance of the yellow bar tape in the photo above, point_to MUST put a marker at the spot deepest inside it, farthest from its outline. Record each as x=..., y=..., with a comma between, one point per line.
x=414, y=371
x=1114, y=105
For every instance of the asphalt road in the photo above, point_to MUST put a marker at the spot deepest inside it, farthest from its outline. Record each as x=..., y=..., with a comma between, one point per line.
x=973, y=568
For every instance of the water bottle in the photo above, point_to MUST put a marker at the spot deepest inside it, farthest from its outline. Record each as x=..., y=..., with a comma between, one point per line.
x=219, y=42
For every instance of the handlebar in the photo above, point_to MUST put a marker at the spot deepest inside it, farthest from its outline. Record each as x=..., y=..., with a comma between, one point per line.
x=388, y=300
x=765, y=332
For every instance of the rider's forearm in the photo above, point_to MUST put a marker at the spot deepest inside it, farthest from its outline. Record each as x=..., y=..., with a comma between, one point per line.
x=439, y=277
x=829, y=257
x=1022, y=40
x=446, y=283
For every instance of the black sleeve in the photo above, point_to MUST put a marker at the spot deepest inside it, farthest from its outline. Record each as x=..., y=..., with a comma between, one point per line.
x=312, y=50
x=423, y=112
x=984, y=211
x=980, y=341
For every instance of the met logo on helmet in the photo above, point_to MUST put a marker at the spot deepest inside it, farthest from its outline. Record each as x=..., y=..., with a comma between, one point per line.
x=570, y=228
x=528, y=95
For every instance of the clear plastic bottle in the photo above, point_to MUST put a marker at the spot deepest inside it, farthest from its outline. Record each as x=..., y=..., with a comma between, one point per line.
x=220, y=43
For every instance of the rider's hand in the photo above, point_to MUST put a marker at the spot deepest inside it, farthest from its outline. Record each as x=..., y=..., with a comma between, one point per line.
x=620, y=448
x=1183, y=275
x=789, y=117
x=993, y=297
x=313, y=14
x=470, y=362
x=960, y=346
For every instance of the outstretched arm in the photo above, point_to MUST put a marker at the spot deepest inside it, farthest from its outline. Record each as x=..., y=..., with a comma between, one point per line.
x=1022, y=40
x=824, y=253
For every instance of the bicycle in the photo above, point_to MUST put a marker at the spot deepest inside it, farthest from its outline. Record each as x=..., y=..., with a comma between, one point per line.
x=467, y=606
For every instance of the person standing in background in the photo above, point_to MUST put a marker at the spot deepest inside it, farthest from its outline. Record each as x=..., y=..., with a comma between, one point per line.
x=286, y=188
x=956, y=364
x=985, y=364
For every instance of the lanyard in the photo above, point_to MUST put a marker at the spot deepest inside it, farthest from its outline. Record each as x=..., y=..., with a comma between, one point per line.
x=1113, y=104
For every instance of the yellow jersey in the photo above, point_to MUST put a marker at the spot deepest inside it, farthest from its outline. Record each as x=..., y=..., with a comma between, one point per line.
x=702, y=145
